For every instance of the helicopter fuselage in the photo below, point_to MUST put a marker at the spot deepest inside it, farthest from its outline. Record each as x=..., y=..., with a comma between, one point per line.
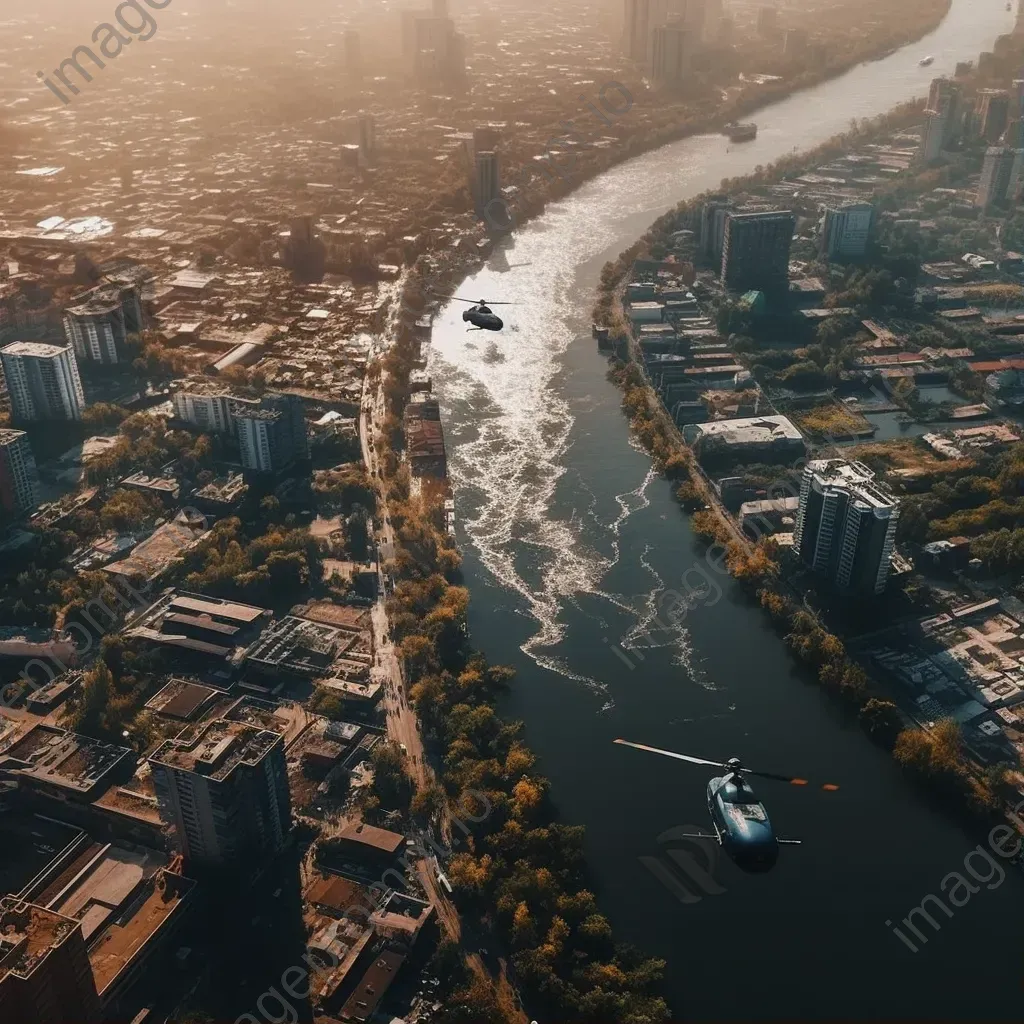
x=482, y=318
x=741, y=823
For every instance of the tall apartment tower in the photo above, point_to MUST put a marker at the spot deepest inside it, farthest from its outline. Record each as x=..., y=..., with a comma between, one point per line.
x=846, y=230
x=42, y=381
x=206, y=408
x=933, y=135
x=755, y=251
x=1000, y=176
x=943, y=119
x=846, y=525
x=993, y=113
x=1017, y=98
x=98, y=324
x=486, y=180
x=271, y=436
x=45, y=975
x=713, y=216
x=672, y=53
x=224, y=792
x=19, y=478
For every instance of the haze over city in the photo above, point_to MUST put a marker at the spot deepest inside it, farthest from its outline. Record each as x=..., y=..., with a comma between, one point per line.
x=510, y=511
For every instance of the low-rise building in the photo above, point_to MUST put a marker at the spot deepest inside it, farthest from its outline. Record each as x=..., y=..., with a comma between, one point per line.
x=753, y=439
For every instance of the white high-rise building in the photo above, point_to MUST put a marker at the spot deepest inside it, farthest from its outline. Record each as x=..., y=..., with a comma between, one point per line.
x=42, y=381
x=19, y=478
x=98, y=323
x=224, y=792
x=846, y=230
x=846, y=525
x=205, y=408
x=271, y=436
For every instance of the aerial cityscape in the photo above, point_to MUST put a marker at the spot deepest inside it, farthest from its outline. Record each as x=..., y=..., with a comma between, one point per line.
x=511, y=512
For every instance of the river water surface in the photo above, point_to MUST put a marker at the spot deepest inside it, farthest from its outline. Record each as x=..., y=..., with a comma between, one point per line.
x=569, y=538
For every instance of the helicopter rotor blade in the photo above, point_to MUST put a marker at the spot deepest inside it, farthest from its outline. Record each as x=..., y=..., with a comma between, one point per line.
x=671, y=753
x=792, y=780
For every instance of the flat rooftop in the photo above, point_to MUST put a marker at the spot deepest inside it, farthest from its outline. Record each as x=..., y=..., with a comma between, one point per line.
x=217, y=749
x=27, y=934
x=61, y=758
x=30, y=843
x=854, y=477
x=379, y=839
x=36, y=349
x=752, y=430
x=119, y=943
x=180, y=698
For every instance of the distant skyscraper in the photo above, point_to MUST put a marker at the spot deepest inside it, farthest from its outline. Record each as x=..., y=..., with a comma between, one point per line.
x=305, y=252
x=846, y=230
x=271, y=436
x=672, y=54
x=713, y=216
x=1000, y=176
x=767, y=21
x=1017, y=98
x=943, y=119
x=362, y=132
x=644, y=16
x=224, y=792
x=795, y=44
x=846, y=525
x=933, y=135
x=19, y=478
x=353, y=53
x=993, y=113
x=713, y=18
x=432, y=50
x=755, y=253
x=42, y=381
x=45, y=975
x=488, y=180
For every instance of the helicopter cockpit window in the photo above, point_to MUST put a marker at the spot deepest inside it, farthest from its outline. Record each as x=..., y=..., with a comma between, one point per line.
x=752, y=812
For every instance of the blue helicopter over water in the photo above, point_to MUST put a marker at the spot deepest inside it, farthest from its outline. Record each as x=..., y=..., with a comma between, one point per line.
x=741, y=823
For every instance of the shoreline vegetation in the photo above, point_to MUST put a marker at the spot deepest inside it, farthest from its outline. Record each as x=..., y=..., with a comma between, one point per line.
x=523, y=877
x=936, y=757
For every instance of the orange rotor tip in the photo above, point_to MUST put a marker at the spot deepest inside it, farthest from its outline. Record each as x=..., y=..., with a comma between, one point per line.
x=830, y=787
x=798, y=782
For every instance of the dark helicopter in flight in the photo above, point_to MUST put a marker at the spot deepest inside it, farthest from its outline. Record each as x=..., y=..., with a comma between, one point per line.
x=740, y=820
x=481, y=316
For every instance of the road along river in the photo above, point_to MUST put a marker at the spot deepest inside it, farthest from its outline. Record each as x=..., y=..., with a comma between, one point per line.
x=569, y=538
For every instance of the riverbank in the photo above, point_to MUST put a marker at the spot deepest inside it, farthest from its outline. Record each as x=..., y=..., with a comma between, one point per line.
x=935, y=755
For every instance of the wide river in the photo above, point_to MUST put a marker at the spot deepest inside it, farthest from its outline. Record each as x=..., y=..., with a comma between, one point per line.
x=569, y=538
